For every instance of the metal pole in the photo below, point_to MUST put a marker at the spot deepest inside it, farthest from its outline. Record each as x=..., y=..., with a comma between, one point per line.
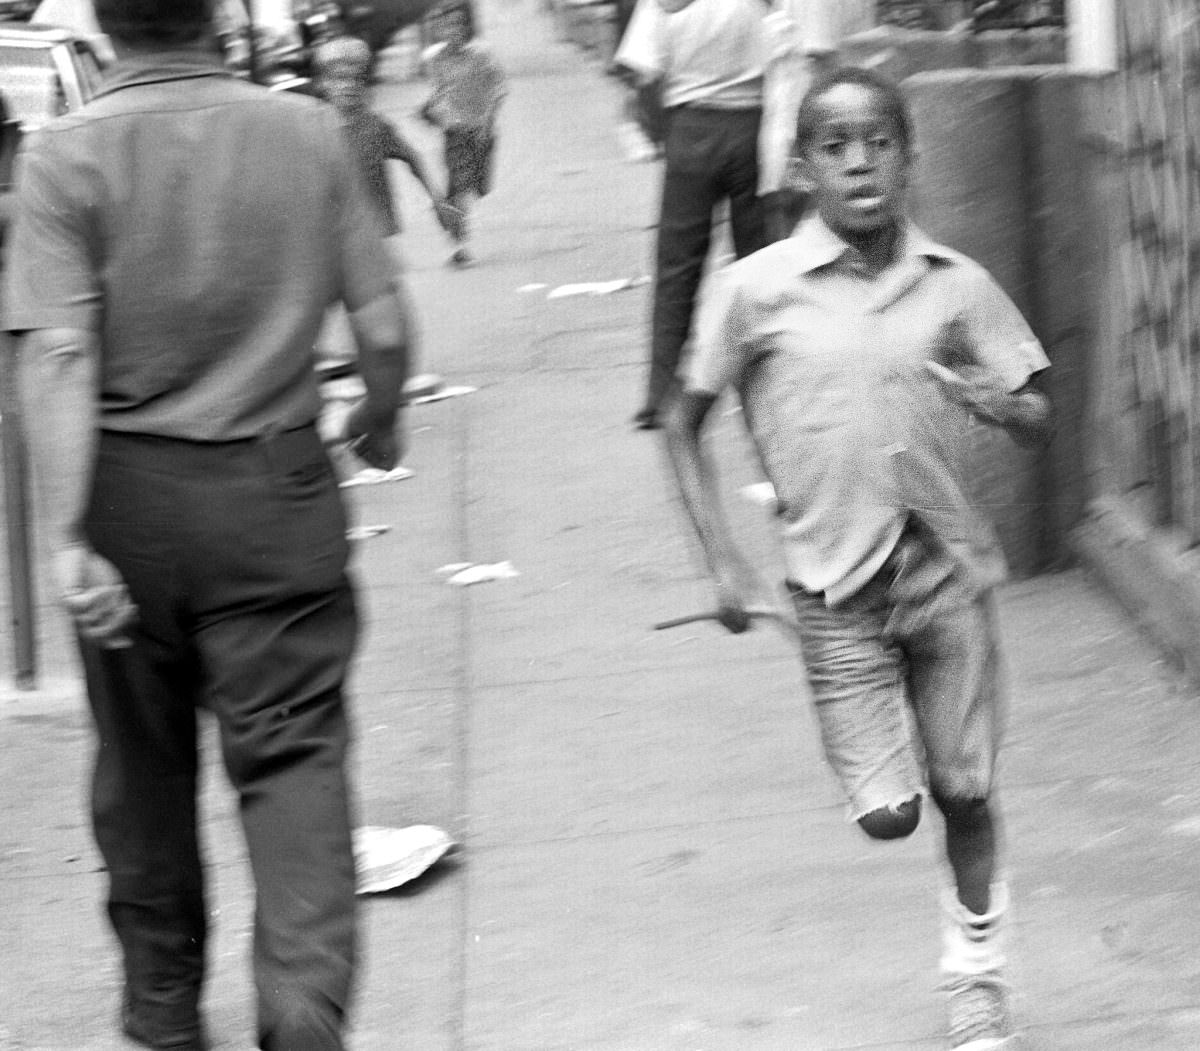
x=252, y=41
x=17, y=521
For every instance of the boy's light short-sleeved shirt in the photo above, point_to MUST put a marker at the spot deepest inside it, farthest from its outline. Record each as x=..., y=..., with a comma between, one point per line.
x=853, y=431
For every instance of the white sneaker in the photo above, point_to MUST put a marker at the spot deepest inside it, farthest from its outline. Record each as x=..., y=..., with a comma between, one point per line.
x=978, y=1009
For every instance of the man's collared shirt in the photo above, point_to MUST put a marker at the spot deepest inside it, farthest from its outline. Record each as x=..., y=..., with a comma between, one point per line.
x=201, y=226
x=709, y=53
x=853, y=431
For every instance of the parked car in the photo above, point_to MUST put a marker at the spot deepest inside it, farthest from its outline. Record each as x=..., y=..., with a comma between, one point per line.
x=45, y=71
x=17, y=10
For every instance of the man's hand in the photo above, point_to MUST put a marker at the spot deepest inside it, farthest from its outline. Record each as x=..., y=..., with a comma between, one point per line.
x=91, y=589
x=372, y=441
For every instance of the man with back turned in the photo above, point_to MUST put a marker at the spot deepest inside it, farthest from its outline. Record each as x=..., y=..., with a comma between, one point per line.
x=178, y=241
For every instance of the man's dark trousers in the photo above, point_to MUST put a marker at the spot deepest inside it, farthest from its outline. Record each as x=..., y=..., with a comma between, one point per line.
x=235, y=554
x=711, y=155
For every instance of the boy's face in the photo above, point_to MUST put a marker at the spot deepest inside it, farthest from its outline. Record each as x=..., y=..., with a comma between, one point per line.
x=856, y=161
x=343, y=84
x=454, y=28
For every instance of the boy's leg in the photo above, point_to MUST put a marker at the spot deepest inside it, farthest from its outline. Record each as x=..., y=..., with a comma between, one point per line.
x=857, y=681
x=458, y=189
x=948, y=630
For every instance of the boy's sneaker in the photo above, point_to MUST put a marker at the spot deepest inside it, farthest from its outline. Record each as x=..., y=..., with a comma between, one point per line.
x=978, y=1008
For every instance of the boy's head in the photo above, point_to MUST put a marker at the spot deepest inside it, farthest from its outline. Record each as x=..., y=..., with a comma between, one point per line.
x=342, y=65
x=854, y=147
x=454, y=24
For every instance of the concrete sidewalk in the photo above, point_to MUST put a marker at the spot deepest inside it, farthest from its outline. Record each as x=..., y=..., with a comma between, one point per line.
x=654, y=857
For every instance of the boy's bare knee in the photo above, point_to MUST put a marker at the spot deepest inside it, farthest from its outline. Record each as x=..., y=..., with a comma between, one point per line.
x=894, y=821
x=964, y=813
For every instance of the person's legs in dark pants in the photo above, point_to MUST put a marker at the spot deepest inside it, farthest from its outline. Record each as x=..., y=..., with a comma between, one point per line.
x=690, y=192
x=145, y=776
x=747, y=219
x=276, y=627
x=144, y=817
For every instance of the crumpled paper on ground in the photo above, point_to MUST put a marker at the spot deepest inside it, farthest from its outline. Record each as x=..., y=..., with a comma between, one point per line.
x=463, y=573
x=442, y=394
x=375, y=475
x=386, y=858
x=365, y=532
x=597, y=288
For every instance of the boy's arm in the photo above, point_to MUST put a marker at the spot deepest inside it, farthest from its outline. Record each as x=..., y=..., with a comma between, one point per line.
x=1025, y=413
x=1000, y=384
x=696, y=477
x=400, y=149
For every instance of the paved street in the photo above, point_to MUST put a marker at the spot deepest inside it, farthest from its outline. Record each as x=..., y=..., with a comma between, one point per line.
x=654, y=856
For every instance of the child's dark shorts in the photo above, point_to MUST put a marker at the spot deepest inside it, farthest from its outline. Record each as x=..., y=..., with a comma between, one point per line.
x=469, y=161
x=907, y=679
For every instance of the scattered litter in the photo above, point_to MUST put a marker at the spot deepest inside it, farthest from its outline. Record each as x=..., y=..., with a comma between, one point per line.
x=365, y=532
x=536, y=286
x=421, y=386
x=478, y=573
x=761, y=493
x=441, y=395
x=597, y=288
x=386, y=858
x=375, y=476
x=1187, y=827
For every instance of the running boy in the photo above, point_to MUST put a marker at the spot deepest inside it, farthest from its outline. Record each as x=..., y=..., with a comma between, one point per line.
x=468, y=87
x=861, y=350
x=342, y=66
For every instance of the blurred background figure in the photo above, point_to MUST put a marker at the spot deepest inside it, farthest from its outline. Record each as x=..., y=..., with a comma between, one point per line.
x=468, y=87
x=342, y=67
x=706, y=60
x=802, y=43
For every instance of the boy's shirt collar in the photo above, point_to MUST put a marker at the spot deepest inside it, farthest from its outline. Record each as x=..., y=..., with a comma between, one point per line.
x=816, y=246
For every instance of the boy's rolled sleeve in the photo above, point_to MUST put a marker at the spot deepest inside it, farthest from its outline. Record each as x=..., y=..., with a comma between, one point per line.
x=723, y=328
x=51, y=281
x=1000, y=336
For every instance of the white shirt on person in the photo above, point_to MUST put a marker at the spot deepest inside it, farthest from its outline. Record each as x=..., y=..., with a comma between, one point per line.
x=799, y=33
x=708, y=53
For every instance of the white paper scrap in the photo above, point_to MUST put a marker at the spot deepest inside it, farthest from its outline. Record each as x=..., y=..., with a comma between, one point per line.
x=597, y=288
x=482, y=572
x=441, y=395
x=386, y=858
x=761, y=493
x=535, y=286
x=365, y=532
x=375, y=476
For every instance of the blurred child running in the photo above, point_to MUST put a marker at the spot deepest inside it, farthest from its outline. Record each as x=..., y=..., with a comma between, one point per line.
x=468, y=87
x=342, y=79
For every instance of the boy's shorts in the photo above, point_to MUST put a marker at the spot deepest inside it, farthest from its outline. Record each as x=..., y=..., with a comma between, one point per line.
x=468, y=154
x=907, y=679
